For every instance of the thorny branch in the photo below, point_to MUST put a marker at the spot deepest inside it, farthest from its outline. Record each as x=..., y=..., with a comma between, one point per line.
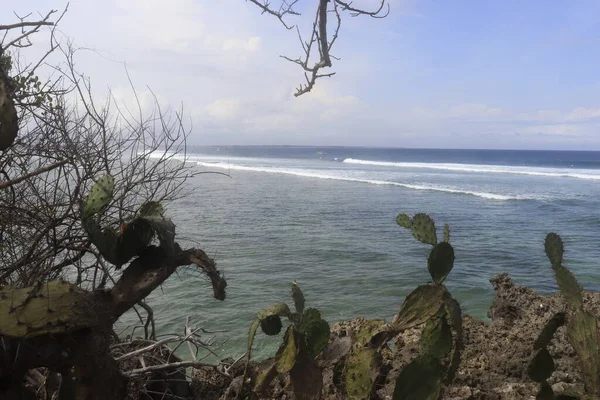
x=324, y=34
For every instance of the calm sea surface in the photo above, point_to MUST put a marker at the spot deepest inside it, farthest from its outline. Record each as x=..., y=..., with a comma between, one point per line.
x=325, y=217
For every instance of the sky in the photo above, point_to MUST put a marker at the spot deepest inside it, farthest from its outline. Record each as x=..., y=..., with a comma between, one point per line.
x=434, y=74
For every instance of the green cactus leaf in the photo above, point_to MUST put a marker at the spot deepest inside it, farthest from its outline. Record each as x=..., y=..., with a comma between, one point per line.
x=541, y=366
x=151, y=208
x=419, y=380
x=165, y=231
x=366, y=330
x=264, y=378
x=554, y=249
x=362, y=369
x=441, y=261
x=281, y=309
x=54, y=307
x=436, y=338
x=337, y=349
x=454, y=315
x=549, y=330
x=420, y=305
x=316, y=331
x=446, y=233
x=99, y=196
x=569, y=287
x=583, y=331
x=104, y=240
x=545, y=392
x=423, y=229
x=134, y=238
x=306, y=378
x=298, y=298
x=252, y=334
x=271, y=325
x=288, y=352
x=404, y=221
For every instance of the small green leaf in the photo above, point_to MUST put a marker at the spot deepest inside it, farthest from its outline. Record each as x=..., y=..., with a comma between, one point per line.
x=554, y=249
x=420, y=305
x=441, y=261
x=403, y=220
x=436, y=338
x=419, y=380
x=423, y=229
x=298, y=298
x=316, y=331
x=541, y=366
x=271, y=325
x=287, y=353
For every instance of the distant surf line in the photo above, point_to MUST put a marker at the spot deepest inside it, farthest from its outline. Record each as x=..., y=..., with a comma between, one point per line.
x=306, y=174
x=480, y=169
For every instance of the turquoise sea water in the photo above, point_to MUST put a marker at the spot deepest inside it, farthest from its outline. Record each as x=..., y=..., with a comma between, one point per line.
x=325, y=217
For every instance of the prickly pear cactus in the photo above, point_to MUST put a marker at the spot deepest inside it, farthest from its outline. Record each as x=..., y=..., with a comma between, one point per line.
x=404, y=221
x=440, y=261
x=420, y=379
x=362, y=368
x=423, y=229
x=541, y=367
x=288, y=352
x=99, y=196
x=583, y=329
x=151, y=208
x=420, y=306
x=554, y=249
x=298, y=298
x=316, y=331
x=446, y=233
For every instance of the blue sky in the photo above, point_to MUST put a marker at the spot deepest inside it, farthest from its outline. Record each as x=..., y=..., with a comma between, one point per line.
x=456, y=74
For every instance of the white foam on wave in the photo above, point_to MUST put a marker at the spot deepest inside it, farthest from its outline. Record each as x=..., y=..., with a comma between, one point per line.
x=317, y=175
x=547, y=172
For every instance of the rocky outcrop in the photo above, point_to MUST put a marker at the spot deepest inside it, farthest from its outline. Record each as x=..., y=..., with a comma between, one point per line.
x=494, y=358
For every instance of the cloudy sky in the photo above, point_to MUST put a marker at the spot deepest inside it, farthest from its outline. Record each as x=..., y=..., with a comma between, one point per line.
x=444, y=74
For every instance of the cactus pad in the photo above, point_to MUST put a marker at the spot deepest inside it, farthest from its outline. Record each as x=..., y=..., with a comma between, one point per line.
x=420, y=379
x=446, y=233
x=50, y=308
x=436, y=338
x=404, y=221
x=545, y=392
x=271, y=325
x=316, y=331
x=151, y=208
x=554, y=249
x=569, y=287
x=99, y=196
x=583, y=330
x=541, y=366
x=423, y=229
x=281, y=309
x=288, y=352
x=298, y=298
x=420, y=305
x=362, y=369
x=441, y=261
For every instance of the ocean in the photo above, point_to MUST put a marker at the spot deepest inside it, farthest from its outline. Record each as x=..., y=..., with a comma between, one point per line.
x=325, y=217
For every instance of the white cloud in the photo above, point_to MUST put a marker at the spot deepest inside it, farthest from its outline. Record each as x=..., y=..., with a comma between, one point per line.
x=224, y=109
x=555, y=130
x=249, y=45
x=583, y=114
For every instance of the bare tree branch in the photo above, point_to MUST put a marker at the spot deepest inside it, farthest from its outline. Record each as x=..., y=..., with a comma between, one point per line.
x=320, y=34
